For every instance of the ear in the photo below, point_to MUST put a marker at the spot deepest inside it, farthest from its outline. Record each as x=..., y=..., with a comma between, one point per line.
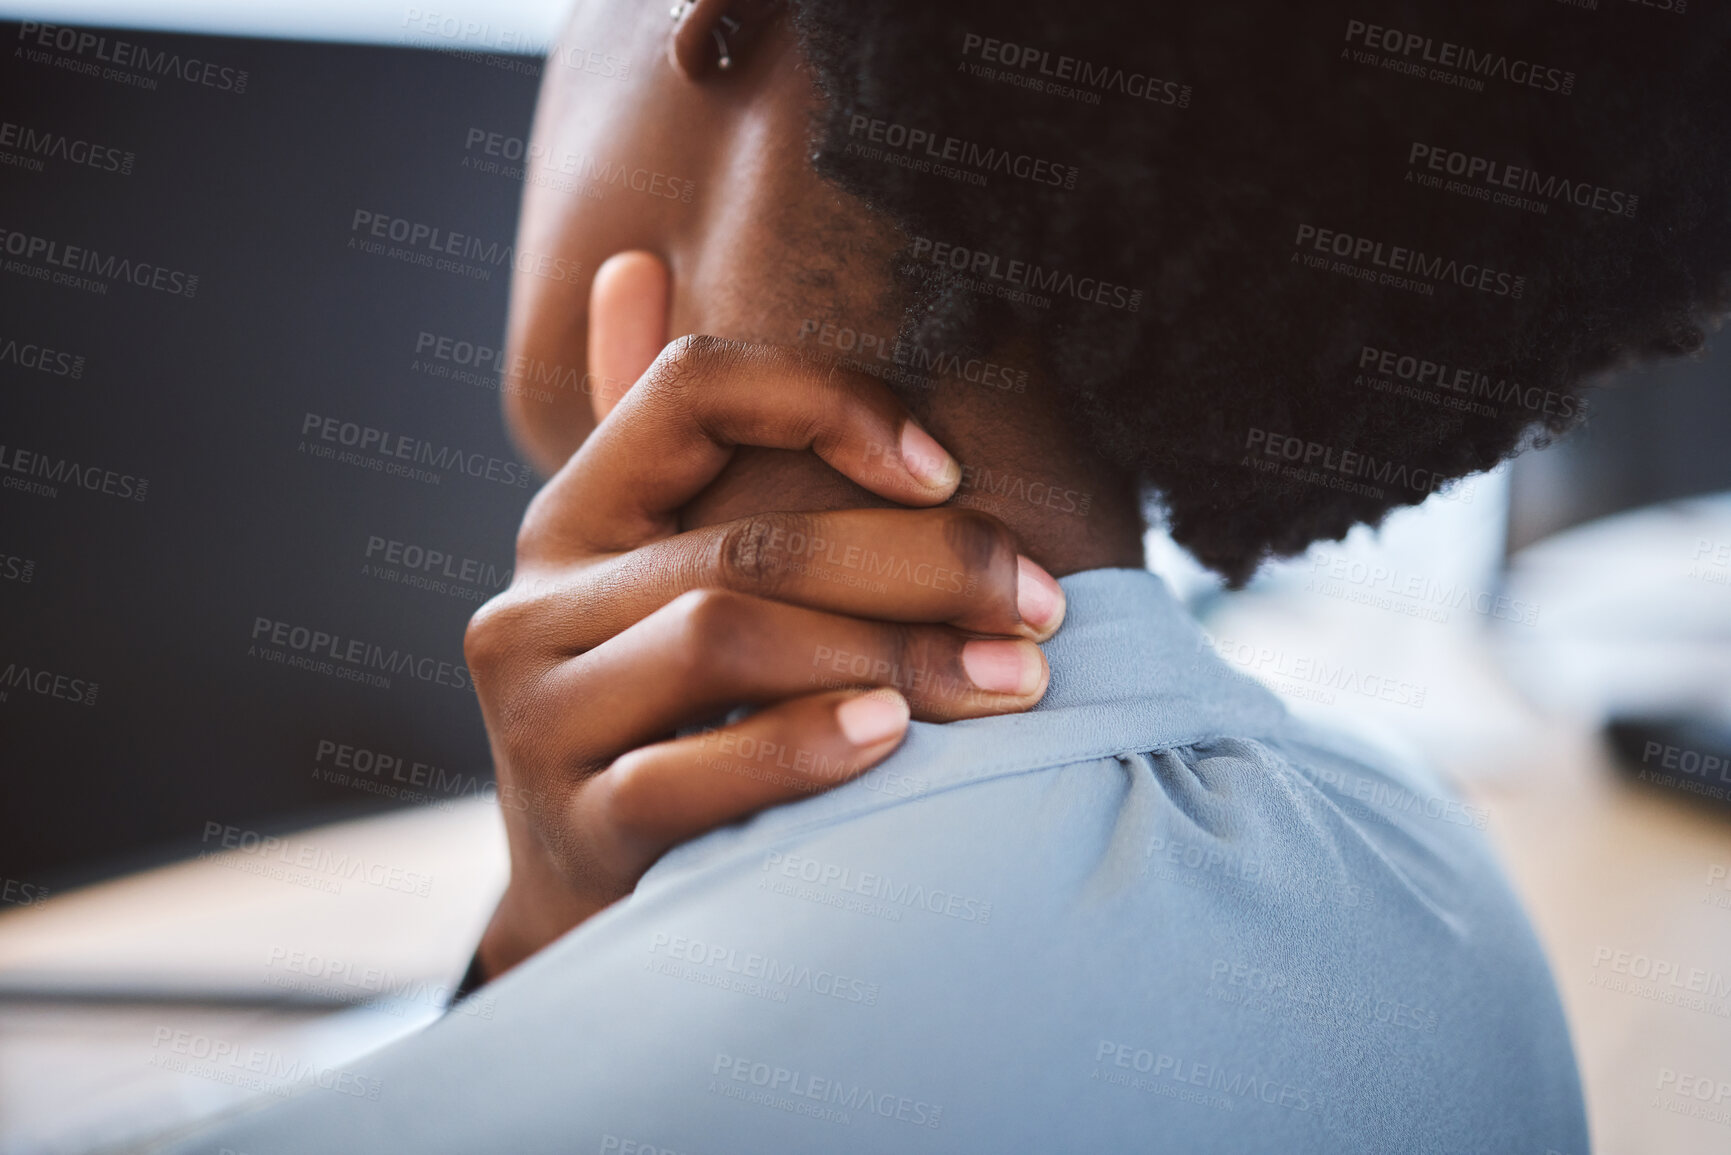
x=696, y=49
x=627, y=325
x=708, y=34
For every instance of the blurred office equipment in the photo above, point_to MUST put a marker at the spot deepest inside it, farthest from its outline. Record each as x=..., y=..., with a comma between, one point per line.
x=266, y=534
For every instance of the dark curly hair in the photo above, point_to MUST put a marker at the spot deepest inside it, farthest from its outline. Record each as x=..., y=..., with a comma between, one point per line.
x=1294, y=264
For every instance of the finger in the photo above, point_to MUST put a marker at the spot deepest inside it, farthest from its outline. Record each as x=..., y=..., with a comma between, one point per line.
x=627, y=324
x=713, y=649
x=947, y=566
x=658, y=796
x=677, y=428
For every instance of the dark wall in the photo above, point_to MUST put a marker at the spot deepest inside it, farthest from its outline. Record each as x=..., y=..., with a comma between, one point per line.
x=163, y=492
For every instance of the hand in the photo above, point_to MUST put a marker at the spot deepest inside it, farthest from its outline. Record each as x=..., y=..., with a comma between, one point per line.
x=617, y=629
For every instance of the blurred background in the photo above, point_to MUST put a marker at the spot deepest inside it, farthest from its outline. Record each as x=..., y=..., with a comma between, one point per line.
x=216, y=827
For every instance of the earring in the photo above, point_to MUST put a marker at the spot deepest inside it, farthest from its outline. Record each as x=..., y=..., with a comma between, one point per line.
x=725, y=60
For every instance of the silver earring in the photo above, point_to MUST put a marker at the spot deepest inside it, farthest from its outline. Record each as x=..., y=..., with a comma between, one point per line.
x=725, y=61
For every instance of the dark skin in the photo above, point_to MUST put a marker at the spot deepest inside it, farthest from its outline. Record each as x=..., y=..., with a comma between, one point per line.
x=764, y=245
x=666, y=573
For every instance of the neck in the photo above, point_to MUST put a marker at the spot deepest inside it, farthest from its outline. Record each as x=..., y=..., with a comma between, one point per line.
x=1069, y=510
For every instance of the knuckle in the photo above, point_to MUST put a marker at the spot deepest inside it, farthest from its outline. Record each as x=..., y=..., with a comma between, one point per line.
x=916, y=658
x=490, y=634
x=513, y=622
x=688, y=361
x=715, y=627
x=632, y=806
x=985, y=550
x=978, y=539
x=891, y=656
x=699, y=610
x=539, y=532
x=759, y=553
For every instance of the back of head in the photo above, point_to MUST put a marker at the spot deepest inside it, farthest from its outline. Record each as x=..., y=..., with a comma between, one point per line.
x=1295, y=265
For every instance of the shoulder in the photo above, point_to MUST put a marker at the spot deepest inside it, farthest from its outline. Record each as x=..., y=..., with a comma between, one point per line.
x=1203, y=941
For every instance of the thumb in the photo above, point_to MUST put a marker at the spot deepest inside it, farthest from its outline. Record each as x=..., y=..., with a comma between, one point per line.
x=627, y=324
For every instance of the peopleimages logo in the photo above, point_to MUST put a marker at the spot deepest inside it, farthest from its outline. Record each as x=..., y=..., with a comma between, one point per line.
x=581, y=166
x=1513, y=184
x=911, y=895
x=392, y=448
x=1691, y=979
x=1382, y=366
x=253, y=1068
x=41, y=358
x=487, y=366
x=80, y=42
x=47, y=683
x=1433, y=59
x=881, y=355
x=1021, y=279
x=33, y=143
x=766, y=969
x=18, y=893
x=1347, y=462
x=399, y=776
x=82, y=259
x=56, y=471
x=1411, y=594
x=1402, y=267
x=436, y=563
x=928, y=150
x=321, y=648
x=797, y=1091
x=1304, y=675
x=1227, y=1086
x=504, y=47
x=345, y=981
x=445, y=249
x=1070, y=70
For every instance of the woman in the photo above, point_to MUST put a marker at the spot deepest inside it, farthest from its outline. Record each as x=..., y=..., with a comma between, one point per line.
x=1278, y=269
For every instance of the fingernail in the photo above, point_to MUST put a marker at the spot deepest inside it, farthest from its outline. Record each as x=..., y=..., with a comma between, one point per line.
x=1039, y=598
x=1003, y=667
x=872, y=718
x=926, y=459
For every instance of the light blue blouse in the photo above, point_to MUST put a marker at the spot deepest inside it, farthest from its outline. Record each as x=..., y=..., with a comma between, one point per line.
x=1156, y=913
